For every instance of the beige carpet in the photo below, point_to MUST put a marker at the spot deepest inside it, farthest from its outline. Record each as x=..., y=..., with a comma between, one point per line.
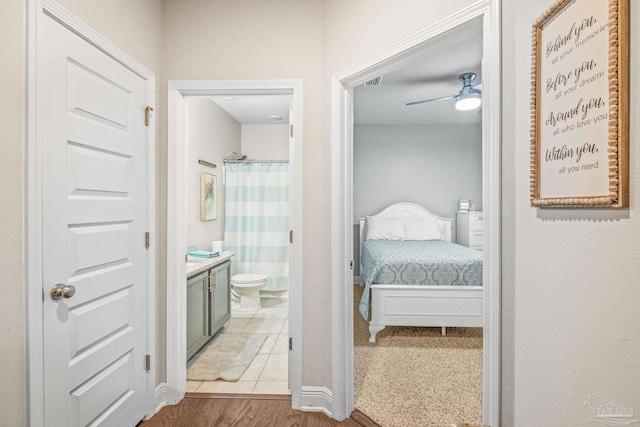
x=225, y=358
x=416, y=377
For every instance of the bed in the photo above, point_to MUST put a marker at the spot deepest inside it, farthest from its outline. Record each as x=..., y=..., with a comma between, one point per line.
x=422, y=282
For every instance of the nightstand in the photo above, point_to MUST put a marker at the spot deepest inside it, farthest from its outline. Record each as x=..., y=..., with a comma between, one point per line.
x=470, y=229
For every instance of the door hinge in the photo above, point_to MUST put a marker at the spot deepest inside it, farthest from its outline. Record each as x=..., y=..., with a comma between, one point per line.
x=147, y=361
x=146, y=240
x=290, y=131
x=147, y=115
x=291, y=236
x=290, y=344
x=351, y=264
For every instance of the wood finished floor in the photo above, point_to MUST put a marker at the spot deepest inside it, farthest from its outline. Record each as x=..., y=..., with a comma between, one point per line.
x=206, y=410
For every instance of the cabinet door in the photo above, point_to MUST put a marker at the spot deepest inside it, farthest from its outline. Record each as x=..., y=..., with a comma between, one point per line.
x=197, y=313
x=220, y=297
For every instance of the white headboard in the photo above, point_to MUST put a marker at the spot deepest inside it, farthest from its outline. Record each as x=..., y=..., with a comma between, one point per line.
x=410, y=211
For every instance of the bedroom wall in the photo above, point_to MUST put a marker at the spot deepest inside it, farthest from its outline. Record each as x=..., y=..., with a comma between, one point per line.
x=265, y=142
x=574, y=302
x=431, y=165
x=211, y=134
x=121, y=21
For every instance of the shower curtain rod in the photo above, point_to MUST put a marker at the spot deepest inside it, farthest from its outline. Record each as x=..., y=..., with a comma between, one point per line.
x=255, y=161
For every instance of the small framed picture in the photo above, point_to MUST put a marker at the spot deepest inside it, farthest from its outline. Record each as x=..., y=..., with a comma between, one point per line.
x=464, y=205
x=207, y=197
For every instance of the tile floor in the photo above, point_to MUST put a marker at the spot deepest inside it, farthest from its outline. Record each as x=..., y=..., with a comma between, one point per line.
x=267, y=374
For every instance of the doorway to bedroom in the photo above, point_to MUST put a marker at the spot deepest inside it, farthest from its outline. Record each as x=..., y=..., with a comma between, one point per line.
x=417, y=198
x=429, y=175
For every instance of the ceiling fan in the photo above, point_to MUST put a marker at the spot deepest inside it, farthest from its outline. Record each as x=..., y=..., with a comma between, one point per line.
x=468, y=98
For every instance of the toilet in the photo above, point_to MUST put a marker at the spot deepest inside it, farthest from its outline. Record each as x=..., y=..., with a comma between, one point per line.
x=248, y=286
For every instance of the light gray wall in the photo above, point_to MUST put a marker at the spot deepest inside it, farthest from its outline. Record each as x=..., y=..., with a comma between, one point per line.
x=265, y=142
x=431, y=165
x=211, y=134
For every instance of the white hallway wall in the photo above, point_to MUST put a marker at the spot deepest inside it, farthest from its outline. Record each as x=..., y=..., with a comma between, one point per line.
x=12, y=351
x=576, y=293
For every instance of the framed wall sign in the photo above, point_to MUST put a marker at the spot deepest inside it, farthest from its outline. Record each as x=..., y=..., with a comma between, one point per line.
x=579, y=105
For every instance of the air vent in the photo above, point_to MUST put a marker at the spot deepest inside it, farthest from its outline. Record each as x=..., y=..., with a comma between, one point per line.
x=374, y=82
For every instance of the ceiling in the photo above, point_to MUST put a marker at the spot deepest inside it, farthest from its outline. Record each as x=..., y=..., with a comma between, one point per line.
x=255, y=109
x=434, y=73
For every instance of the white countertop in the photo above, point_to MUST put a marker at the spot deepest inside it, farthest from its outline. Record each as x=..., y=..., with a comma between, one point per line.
x=198, y=265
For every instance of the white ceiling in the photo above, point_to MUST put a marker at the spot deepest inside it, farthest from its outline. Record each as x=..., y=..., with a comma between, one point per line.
x=255, y=109
x=433, y=74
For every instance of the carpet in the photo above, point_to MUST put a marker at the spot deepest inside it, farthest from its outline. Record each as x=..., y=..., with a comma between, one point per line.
x=415, y=376
x=226, y=358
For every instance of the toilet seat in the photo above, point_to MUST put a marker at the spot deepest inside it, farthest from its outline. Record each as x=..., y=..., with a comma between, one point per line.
x=248, y=279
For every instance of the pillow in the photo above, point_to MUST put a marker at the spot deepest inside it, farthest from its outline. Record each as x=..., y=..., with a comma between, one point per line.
x=384, y=229
x=421, y=229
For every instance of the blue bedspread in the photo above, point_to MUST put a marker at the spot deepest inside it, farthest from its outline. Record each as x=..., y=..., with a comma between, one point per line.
x=417, y=262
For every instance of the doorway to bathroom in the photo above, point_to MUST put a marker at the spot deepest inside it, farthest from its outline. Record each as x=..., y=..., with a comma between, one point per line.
x=244, y=266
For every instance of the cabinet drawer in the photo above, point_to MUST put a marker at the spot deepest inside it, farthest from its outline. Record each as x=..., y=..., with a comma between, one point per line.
x=476, y=238
x=475, y=222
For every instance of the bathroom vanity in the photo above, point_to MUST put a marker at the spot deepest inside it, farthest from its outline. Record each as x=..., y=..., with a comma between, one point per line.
x=208, y=299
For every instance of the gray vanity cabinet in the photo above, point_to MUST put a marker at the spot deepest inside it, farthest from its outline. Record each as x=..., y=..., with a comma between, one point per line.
x=208, y=305
x=197, y=312
x=220, y=297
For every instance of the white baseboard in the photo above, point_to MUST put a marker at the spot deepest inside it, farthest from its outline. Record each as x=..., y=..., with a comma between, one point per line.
x=166, y=395
x=357, y=280
x=317, y=399
x=313, y=399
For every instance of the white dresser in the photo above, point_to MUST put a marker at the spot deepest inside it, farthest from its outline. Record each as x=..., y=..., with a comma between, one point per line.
x=469, y=229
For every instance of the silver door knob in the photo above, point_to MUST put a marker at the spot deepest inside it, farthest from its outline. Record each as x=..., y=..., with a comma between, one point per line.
x=60, y=290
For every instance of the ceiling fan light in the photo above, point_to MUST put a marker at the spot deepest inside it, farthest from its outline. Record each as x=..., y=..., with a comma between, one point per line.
x=468, y=101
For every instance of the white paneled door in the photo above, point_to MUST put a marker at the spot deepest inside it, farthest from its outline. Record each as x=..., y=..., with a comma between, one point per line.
x=95, y=211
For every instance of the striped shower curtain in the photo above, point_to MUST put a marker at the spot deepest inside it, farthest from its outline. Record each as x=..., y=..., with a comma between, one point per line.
x=257, y=220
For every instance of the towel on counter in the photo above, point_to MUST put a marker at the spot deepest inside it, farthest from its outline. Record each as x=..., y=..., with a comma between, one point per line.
x=204, y=254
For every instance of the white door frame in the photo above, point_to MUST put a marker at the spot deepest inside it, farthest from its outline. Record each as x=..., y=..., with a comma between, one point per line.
x=36, y=9
x=342, y=84
x=176, y=224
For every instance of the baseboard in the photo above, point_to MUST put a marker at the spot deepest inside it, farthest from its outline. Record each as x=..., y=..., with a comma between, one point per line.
x=357, y=280
x=166, y=395
x=317, y=399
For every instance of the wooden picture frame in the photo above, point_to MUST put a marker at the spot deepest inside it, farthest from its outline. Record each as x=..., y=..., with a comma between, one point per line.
x=208, y=197
x=580, y=105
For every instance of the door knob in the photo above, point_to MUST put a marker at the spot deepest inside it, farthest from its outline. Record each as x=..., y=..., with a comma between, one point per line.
x=60, y=290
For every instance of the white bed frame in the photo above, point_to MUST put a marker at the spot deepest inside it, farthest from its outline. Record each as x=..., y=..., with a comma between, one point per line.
x=421, y=305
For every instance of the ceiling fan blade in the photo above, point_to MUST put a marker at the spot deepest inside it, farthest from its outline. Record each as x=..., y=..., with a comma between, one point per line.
x=430, y=100
x=478, y=87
